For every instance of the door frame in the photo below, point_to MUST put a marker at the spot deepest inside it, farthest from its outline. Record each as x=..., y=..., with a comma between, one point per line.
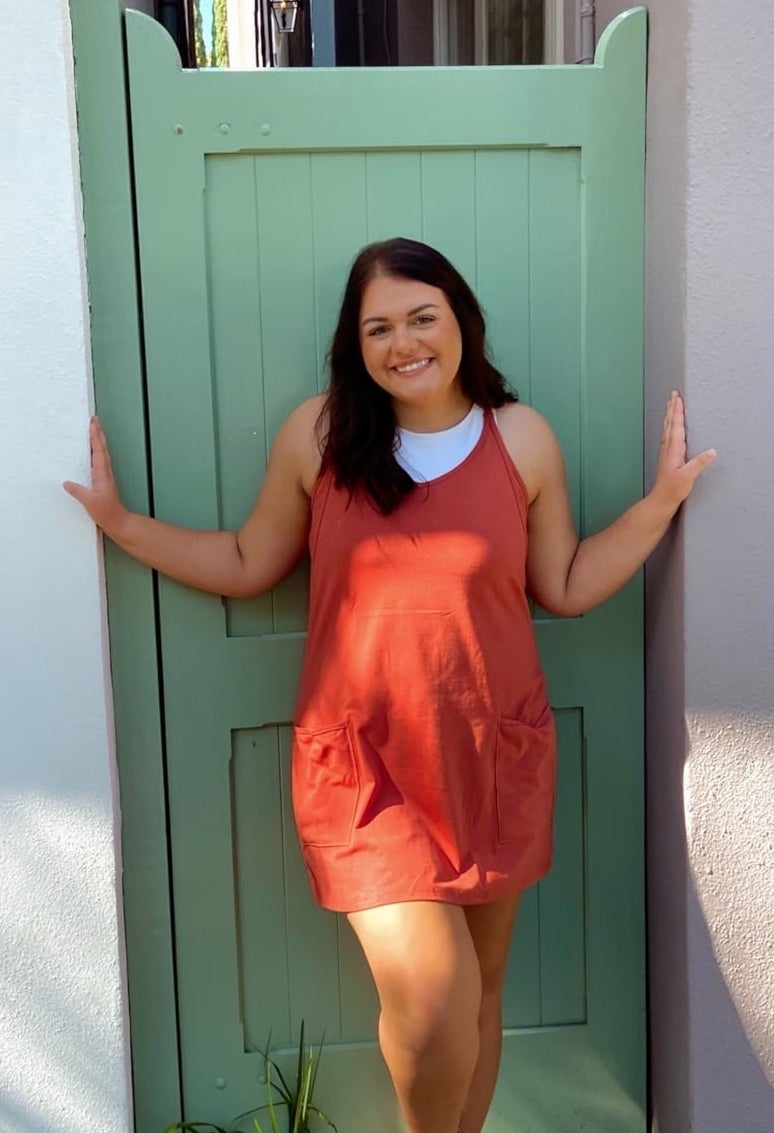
x=116, y=316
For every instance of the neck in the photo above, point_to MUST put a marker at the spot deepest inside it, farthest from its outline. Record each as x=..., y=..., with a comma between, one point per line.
x=431, y=418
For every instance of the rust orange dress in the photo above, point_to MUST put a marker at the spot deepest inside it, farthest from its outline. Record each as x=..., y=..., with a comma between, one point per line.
x=424, y=746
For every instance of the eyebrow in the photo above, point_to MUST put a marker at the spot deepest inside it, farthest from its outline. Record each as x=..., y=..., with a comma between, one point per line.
x=413, y=311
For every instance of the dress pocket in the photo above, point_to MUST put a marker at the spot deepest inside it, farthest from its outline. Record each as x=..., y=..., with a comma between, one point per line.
x=326, y=786
x=525, y=777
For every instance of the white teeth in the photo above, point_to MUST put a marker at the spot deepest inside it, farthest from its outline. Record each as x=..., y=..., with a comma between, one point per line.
x=412, y=366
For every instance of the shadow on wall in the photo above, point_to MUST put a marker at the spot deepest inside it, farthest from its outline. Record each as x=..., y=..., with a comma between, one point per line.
x=702, y=1014
x=743, y=1100
x=707, y=945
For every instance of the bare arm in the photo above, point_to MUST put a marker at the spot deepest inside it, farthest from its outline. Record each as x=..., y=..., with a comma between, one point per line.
x=235, y=564
x=568, y=576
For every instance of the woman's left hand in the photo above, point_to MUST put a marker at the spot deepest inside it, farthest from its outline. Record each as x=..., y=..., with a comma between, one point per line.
x=676, y=476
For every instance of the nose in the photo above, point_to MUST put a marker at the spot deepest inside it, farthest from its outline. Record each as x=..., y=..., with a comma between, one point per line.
x=404, y=341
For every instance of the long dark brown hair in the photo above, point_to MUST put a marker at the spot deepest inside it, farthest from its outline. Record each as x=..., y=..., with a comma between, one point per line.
x=360, y=439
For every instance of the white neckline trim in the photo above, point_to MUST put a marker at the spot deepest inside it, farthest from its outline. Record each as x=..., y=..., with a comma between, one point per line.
x=427, y=456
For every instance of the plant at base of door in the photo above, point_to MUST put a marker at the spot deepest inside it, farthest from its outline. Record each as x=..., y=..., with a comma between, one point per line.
x=297, y=1098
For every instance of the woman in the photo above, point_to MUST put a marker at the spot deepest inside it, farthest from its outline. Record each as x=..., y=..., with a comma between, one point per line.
x=432, y=502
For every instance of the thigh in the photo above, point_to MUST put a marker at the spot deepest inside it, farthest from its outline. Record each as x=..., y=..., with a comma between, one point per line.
x=419, y=952
x=491, y=929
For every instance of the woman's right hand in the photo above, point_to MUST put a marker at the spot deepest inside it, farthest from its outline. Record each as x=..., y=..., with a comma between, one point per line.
x=236, y=564
x=101, y=500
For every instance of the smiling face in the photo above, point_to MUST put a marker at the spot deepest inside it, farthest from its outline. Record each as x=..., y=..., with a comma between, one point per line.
x=412, y=347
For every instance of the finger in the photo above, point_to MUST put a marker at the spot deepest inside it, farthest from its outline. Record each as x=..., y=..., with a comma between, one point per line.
x=665, y=424
x=77, y=491
x=668, y=415
x=676, y=440
x=699, y=463
x=105, y=446
x=100, y=457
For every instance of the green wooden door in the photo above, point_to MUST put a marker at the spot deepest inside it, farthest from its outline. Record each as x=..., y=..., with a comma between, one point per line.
x=253, y=192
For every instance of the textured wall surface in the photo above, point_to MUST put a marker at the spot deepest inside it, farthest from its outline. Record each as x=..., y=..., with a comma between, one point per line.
x=729, y=551
x=63, y=1033
x=710, y=620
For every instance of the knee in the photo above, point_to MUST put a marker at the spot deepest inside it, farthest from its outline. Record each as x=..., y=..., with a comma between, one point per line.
x=427, y=1008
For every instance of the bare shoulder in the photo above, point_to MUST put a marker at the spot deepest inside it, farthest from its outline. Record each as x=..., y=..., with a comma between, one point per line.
x=531, y=444
x=302, y=421
x=299, y=440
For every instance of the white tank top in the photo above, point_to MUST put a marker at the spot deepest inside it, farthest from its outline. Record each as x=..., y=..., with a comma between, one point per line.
x=426, y=456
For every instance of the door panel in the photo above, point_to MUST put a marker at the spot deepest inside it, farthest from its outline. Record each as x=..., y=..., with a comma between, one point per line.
x=254, y=192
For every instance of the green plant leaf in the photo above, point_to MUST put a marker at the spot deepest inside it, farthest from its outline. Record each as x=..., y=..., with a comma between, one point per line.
x=247, y=1113
x=300, y=1058
x=317, y=1063
x=281, y=1087
x=297, y=1098
x=268, y=1061
x=270, y=1103
x=306, y=1087
x=323, y=1117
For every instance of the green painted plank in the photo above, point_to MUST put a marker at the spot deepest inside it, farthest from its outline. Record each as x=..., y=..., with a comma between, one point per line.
x=449, y=207
x=555, y=296
x=314, y=984
x=289, y=341
x=613, y=245
x=502, y=247
x=614, y=258
x=562, y=893
x=394, y=195
x=282, y=185
x=117, y=365
x=259, y=867
x=340, y=225
x=178, y=364
x=521, y=995
x=262, y=678
x=237, y=359
x=199, y=762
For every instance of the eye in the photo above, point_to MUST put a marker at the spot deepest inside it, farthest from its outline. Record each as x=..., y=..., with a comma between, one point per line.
x=425, y=319
x=376, y=331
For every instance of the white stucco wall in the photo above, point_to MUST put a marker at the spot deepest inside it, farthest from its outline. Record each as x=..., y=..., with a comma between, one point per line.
x=729, y=551
x=63, y=1029
x=710, y=716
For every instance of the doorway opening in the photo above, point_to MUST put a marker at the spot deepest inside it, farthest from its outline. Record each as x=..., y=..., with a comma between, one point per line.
x=249, y=34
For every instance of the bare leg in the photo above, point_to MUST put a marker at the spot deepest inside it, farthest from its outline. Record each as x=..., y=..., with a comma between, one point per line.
x=491, y=927
x=427, y=976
